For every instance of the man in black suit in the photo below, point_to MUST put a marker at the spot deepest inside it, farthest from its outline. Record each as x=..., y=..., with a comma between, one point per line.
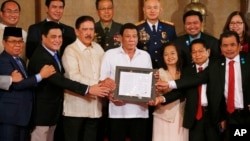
x=196, y=117
x=49, y=93
x=193, y=22
x=16, y=102
x=224, y=103
x=107, y=30
x=54, y=10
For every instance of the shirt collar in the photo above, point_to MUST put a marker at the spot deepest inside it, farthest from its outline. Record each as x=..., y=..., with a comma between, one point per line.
x=235, y=59
x=109, y=26
x=150, y=25
x=81, y=46
x=204, y=65
x=50, y=51
x=197, y=37
x=47, y=19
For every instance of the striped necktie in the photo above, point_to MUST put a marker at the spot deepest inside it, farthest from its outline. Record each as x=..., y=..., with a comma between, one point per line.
x=21, y=67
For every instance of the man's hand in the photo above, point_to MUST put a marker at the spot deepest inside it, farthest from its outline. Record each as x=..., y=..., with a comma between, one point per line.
x=16, y=76
x=158, y=100
x=162, y=85
x=222, y=125
x=47, y=70
x=109, y=83
x=156, y=74
x=117, y=102
x=98, y=90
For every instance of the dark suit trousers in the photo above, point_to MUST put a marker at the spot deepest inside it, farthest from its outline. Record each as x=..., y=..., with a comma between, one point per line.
x=133, y=128
x=10, y=132
x=237, y=119
x=204, y=130
x=80, y=129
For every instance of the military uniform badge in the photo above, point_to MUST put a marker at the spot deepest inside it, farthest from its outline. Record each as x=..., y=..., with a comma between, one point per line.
x=164, y=37
x=144, y=38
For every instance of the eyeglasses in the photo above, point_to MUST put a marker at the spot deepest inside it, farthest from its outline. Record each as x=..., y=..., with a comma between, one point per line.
x=105, y=8
x=235, y=23
x=198, y=51
x=14, y=42
x=11, y=11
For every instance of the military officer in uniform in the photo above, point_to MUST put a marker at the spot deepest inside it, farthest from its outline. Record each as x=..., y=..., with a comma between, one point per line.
x=107, y=30
x=154, y=33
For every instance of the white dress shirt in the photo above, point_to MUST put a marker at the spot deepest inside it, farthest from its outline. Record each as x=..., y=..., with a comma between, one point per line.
x=238, y=93
x=204, y=86
x=117, y=57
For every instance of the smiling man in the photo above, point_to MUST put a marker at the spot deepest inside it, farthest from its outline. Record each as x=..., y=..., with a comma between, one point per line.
x=227, y=86
x=10, y=15
x=49, y=93
x=193, y=22
x=54, y=10
x=107, y=30
x=82, y=62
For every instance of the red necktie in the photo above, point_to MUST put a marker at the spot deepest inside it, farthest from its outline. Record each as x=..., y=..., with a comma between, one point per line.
x=230, y=96
x=199, y=109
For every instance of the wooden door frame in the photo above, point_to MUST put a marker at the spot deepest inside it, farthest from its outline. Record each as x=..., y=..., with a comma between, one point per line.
x=38, y=11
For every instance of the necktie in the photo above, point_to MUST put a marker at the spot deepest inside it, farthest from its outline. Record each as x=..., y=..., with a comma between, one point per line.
x=106, y=31
x=57, y=61
x=21, y=67
x=154, y=29
x=230, y=96
x=199, y=109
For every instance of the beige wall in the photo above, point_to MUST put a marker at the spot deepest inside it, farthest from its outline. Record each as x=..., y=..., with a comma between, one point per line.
x=127, y=11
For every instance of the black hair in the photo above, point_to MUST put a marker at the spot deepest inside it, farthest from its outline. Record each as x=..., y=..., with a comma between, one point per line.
x=47, y=2
x=198, y=41
x=128, y=26
x=192, y=13
x=97, y=3
x=227, y=34
x=82, y=19
x=47, y=26
x=7, y=1
x=178, y=50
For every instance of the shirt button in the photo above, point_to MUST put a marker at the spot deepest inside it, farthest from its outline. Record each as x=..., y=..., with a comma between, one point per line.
x=156, y=51
x=155, y=43
x=156, y=60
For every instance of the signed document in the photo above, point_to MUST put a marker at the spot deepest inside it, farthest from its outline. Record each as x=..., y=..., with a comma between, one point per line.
x=135, y=84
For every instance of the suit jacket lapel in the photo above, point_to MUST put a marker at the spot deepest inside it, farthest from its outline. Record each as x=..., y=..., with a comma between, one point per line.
x=222, y=70
x=15, y=65
x=244, y=70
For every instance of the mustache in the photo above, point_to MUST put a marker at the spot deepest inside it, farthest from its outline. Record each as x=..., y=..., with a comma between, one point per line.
x=89, y=36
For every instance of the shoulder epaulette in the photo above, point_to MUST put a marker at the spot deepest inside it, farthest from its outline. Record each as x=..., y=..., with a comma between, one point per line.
x=167, y=22
x=140, y=22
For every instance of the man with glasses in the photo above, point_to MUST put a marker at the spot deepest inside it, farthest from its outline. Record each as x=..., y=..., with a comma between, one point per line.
x=107, y=35
x=16, y=103
x=107, y=30
x=10, y=14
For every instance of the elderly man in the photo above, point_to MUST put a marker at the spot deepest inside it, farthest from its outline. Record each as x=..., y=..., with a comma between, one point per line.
x=82, y=62
x=49, y=93
x=127, y=119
